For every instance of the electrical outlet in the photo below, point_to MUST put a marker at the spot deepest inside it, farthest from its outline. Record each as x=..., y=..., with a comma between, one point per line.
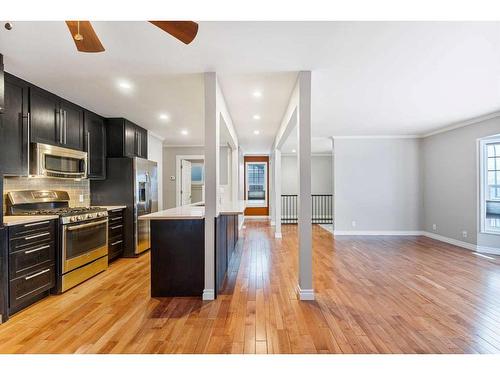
x=434, y=227
x=464, y=234
x=353, y=223
x=172, y=178
x=80, y=198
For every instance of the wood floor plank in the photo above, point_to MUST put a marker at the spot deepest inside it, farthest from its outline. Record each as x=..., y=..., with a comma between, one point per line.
x=383, y=294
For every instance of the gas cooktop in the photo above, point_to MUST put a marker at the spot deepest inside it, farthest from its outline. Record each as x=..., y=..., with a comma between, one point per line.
x=62, y=211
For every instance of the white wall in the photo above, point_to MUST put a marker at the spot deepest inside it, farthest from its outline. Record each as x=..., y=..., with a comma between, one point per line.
x=450, y=165
x=169, y=165
x=377, y=184
x=321, y=174
x=155, y=153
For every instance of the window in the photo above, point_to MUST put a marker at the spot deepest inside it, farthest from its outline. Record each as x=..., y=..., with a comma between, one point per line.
x=197, y=175
x=490, y=185
x=256, y=184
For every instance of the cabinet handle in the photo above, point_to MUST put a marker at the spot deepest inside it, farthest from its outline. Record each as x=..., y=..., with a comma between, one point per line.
x=65, y=129
x=60, y=125
x=116, y=242
x=37, y=223
x=37, y=274
x=28, y=115
x=117, y=210
x=36, y=236
x=117, y=226
x=88, y=153
x=37, y=249
x=117, y=218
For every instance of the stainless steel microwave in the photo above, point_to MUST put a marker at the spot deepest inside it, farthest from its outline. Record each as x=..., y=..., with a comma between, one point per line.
x=59, y=162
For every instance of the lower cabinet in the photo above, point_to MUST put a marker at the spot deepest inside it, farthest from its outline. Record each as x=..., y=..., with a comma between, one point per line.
x=4, y=280
x=115, y=234
x=226, y=237
x=31, y=263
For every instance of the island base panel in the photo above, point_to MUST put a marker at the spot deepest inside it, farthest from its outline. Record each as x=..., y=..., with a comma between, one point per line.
x=177, y=258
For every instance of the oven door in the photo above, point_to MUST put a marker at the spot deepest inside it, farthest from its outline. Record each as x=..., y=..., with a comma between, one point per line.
x=83, y=243
x=53, y=161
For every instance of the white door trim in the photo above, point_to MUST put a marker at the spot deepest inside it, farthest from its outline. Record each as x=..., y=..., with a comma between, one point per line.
x=178, y=159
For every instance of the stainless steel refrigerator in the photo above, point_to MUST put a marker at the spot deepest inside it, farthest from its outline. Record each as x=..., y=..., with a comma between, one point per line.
x=131, y=182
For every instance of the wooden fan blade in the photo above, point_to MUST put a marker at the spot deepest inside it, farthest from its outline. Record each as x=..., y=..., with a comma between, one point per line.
x=90, y=41
x=185, y=31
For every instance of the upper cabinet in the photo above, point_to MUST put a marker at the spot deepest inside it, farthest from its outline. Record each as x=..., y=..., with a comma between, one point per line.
x=126, y=139
x=95, y=145
x=44, y=117
x=72, y=126
x=14, y=127
x=55, y=121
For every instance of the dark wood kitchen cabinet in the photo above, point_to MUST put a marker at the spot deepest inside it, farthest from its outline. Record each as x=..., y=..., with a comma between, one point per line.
x=44, y=117
x=95, y=145
x=226, y=238
x=115, y=233
x=55, y=121
x=141, y=148
x=126, y=139
x=72, y=125
x=4, y=280
x=31, y=262
x=14, y=127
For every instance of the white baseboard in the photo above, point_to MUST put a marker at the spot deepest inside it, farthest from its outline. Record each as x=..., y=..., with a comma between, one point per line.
x=277, y=235
x=435, y=236
x=451, y=241
x=252, y=217
x=377, y=233
x=488, y=250
x=305, y=294
x=208, y=295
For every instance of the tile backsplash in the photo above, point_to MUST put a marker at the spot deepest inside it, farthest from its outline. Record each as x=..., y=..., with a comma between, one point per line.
x=74, y=188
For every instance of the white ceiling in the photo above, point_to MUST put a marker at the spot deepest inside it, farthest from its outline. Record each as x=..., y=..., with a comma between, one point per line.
x=369, y=78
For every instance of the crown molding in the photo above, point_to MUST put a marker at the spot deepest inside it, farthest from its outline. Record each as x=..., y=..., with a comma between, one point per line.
x=179, y=146
x=463, y=124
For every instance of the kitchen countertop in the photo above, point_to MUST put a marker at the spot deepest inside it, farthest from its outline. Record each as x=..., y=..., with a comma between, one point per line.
x=16, y=220
x=194, y=211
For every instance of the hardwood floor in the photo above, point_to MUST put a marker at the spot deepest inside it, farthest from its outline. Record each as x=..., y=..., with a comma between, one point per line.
x=374, y=295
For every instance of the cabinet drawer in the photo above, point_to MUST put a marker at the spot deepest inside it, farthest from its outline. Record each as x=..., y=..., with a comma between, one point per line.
x=115, y=247
x=30, y=228
x=26, y=287
x=115, y=213
x=31, y=239
x=31, y=257
x=114, y=221
x=115, y=230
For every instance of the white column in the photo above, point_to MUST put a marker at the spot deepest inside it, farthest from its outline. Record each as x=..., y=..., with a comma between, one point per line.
x=305, y=287
x=277, y=193
x=271, y=191
x=211, y=180
x=234, y=174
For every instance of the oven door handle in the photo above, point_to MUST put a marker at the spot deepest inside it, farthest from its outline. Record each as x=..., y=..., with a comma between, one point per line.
x=87, y=225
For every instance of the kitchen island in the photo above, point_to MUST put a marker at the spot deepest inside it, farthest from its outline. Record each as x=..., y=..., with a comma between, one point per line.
x=178, y=248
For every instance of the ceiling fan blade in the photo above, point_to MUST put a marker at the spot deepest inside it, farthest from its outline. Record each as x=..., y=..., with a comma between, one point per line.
x=89, y=41
x=185, y=31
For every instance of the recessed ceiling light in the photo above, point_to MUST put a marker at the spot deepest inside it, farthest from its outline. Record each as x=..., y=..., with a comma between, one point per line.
x=125, y=85
x=294, y=151
x=257, y=94
x=184, y=132
x=256, y=117
x=164, y=116
x=256, y=132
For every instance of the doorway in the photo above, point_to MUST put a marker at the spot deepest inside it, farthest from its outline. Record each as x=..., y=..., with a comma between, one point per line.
x=190, y=179
x=257, y=185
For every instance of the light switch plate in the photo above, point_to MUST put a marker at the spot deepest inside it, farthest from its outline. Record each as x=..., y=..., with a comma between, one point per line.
x=172, y=178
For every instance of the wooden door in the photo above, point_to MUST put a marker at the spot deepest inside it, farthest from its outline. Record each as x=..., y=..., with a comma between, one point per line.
x=257, y=185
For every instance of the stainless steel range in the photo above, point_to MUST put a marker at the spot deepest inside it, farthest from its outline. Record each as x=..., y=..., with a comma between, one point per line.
x=83, y=233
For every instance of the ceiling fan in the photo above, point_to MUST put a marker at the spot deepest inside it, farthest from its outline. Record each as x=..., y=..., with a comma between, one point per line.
x=86, y=39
